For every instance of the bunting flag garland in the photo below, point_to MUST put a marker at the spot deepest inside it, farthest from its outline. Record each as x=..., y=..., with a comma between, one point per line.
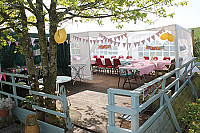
x=155, y=48
x=149, y=38
x=104, y=46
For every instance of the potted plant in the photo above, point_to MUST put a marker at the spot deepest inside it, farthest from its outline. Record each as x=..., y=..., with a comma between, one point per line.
x=31, y=124
x=6, y=104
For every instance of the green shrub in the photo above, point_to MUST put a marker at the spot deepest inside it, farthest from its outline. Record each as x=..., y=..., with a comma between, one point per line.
x=192, y=117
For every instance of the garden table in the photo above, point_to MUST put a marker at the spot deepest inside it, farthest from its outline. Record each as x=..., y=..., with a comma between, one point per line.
x=78, y=71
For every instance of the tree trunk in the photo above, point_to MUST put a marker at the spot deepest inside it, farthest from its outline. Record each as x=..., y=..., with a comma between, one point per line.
x=49, y=62
x=33, y=75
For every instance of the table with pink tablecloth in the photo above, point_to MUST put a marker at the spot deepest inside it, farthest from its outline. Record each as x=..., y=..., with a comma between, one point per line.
x=159, y=64
x=143, y=67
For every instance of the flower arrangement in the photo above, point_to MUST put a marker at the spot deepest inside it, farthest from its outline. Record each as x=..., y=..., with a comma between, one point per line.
x=6, y=103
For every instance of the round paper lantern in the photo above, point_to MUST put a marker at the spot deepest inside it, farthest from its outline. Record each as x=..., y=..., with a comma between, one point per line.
x=60, y=36
x=170, y=37
x=164, y=36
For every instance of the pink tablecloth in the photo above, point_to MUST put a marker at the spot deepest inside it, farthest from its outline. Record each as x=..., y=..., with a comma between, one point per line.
x=160, y=64
x=144, y=67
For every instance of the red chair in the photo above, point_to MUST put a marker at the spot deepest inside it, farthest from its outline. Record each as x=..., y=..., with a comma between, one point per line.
x=109, y=65
x=121, y=57
x=95, y=56
x=166, y=58
x=113, y=57
x=101, y=56
x=129, y=57
x=100, y=65
x=146, y=57
x=155, y=58
x=116, y=63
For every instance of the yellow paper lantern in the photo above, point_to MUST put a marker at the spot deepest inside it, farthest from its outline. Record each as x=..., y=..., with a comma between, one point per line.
x=164, y=36
x=60, y=36
x=170, y=37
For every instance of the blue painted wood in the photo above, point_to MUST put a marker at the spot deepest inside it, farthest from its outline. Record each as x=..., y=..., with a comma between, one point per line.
x=112, y=92
x=68, y=121
x=49, y=111
x=45, y=95
x=122, y=110
x=17, y=85
x=11, y=95
x=151, y=119
x=172, y=113
x=21, y=113
x=135, y=116
x=194, y=92
x=113, y=129
x=48, y=128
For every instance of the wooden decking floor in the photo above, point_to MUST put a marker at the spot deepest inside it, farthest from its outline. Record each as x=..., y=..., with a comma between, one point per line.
x=89, y=100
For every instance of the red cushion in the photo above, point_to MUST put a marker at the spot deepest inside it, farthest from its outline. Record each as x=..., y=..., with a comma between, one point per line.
x=109, y=66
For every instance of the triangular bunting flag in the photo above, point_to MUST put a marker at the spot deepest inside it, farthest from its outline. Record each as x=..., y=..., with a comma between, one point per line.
x=157, y=34
x=101, y=41
x=83, y=40
x=143, y=41
x=115, y=38
x=97, y=41
x=80, y=39
x=125, y=35
x=118, y=43
x=9, y=42
x=153, y=37
x=115, y=43
x=90, y=41
x=0, y=76
x=124, y=44
x=4, y=76
x=94, y=41
x=122, y=36
x=16, y=43
x=129, y=44
x=148, y=39
x=118, y=38
x=135, y=44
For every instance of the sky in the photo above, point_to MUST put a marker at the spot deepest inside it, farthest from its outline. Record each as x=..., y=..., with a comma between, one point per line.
x=185, y=16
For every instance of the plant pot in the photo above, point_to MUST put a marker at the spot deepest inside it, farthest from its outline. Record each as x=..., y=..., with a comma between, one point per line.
x=32, y=129
x=4, y=112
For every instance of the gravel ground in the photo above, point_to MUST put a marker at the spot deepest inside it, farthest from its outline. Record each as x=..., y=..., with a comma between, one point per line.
x=15, y=128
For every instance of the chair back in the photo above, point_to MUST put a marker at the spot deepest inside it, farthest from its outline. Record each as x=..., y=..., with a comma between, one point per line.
x=166, y=58
x=155, y=58
x=101, y=56
x=173, y=60
x=112, y=57
x=129, y=57
x=95, y=56
x=172, y=67
x=108, y=62
x=146, y=57
x=121, y=57
x=98, y=61
x=116, y=62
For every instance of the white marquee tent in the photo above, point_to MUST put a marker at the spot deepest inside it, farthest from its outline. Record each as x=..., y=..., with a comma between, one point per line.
x=128, y=43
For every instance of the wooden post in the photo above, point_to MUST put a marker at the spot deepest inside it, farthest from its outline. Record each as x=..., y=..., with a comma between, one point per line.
x=192, y=38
